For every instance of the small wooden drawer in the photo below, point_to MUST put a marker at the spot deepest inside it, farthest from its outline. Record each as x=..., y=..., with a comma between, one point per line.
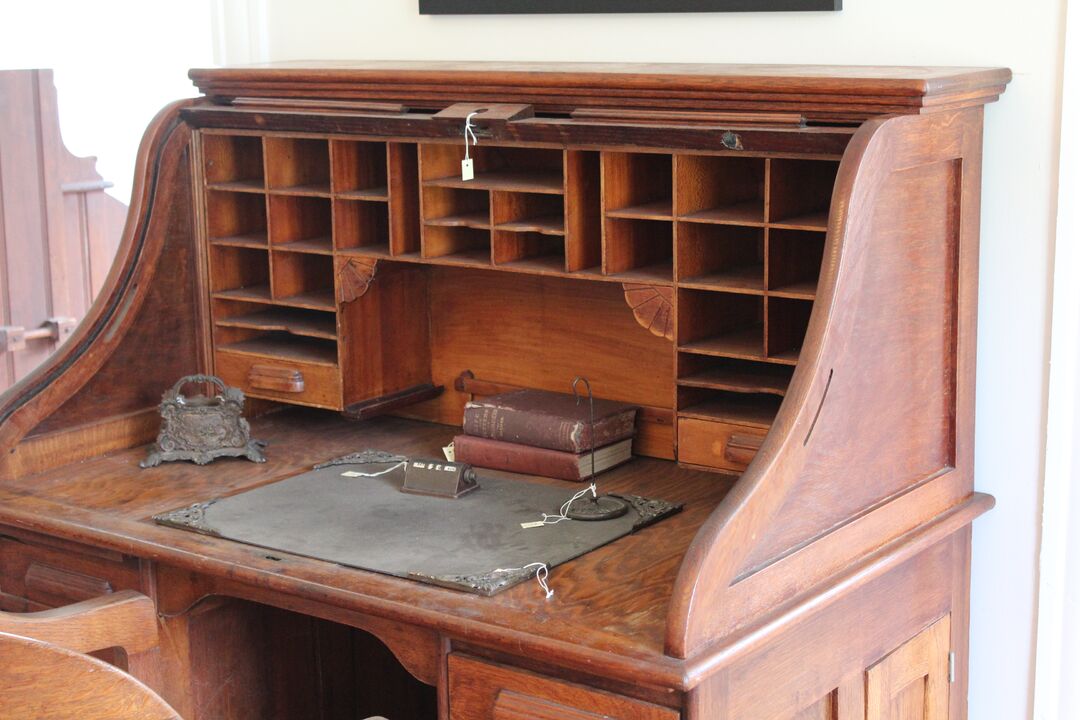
x=718, y=445
x=35, y=577
x=481, y=690
x=294, y=382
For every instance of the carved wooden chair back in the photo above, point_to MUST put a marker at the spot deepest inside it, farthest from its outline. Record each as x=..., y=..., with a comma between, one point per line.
x=44, y=673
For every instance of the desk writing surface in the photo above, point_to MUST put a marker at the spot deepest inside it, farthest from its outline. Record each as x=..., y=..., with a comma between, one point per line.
x=614, y=599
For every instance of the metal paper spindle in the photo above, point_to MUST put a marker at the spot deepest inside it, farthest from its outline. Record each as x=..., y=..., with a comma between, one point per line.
x=593, y=506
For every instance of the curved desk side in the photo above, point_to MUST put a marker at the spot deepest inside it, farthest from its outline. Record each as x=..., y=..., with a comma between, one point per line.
x=874, y=438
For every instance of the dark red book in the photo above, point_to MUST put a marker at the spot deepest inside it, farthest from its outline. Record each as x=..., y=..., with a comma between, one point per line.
x=548, y=420
x=499, y=455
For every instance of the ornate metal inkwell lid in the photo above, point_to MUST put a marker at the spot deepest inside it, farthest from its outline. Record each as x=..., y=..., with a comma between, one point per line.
x=201, y=428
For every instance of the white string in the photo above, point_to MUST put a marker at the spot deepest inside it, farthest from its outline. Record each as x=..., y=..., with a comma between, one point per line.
x=541, y=575
x=395, y=466
x=469, y=132
x=556, y=519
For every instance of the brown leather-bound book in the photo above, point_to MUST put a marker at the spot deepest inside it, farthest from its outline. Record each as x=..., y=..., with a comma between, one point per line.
x=499, y=455
x=556, y=421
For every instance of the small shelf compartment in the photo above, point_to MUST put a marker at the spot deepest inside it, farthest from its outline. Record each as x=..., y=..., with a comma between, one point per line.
x=733, y=375
x=300, y=224
x=756, y=410
x=531, y=250
x=510, y=169
x=233, y=162
x=303, y=280
x=237, y=219
x=241, y=272
x=359, y=170
x=279, y=345
x=721, y=189
x=795, y=262
x=788, y=320
x=528, y=213
x=361, y=226
x=638, y=250
x=294, y=321
x=637, y=185
x=453, y=207
x=800, y=192
x=721, y=324
x=721, y=257
x=298, y=165
x=465, y=245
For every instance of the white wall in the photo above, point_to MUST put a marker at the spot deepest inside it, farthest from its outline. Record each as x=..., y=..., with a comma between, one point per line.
x=1018, y=208
x=116, y=64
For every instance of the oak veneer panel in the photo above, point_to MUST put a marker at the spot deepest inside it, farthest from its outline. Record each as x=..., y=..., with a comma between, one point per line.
x=912, y=683
x=910, y=265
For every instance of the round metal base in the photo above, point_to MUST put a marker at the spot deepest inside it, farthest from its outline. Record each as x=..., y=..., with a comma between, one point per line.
x=604, y=507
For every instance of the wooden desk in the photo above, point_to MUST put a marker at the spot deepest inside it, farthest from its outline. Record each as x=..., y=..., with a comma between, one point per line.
x=783, y=277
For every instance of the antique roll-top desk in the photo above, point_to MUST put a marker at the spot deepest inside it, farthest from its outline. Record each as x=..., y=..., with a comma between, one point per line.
x=777, y=264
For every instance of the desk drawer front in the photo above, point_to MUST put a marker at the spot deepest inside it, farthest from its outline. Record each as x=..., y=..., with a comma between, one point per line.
x=481, y=690
x=34, y=577
x=271, y=379
x=718, y=445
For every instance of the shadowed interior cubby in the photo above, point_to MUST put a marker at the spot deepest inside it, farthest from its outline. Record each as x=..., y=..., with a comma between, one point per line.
x=721, y=323
x=236, y=218
x=299, y=165
x=720, y=188
x=639, y=250
x=637, y=185
x=455, y=207
x=300, y=223
x=244, y=270
x=362, y=225
x=233, y=161
x=265, y=317
x=359, y=169
x=721, y=257
x=733, y=375
x=464, y=244
x=788, y=320
x=800, y=192
x=583, y=246
x=795, y=262
x=277, y=345
x=517, y=169
x=303, y=280
x=751, y=409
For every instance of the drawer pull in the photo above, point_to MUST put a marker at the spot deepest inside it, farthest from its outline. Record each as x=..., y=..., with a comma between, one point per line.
x=742, y=448
x=45, y=583
x=516, y=706
x=278, y=379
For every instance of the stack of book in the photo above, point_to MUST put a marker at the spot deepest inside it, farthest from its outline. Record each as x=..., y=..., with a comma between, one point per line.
x=537, y=432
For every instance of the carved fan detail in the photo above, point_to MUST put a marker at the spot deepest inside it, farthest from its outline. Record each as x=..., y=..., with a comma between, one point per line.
x=354, y=277
x=652, y=307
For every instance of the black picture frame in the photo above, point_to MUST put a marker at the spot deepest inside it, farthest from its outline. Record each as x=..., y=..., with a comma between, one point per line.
x=552, y=7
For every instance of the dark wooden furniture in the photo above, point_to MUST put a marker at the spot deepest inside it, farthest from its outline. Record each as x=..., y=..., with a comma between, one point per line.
x=779, y=264
x=45, y=675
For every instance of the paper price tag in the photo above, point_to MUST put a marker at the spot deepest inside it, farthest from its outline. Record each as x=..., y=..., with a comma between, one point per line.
x=528, y=525
x=448, y=451
x=467, y=172
x=351, y=474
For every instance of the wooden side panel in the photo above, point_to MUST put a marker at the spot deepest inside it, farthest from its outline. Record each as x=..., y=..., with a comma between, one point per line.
x=881, y=404
x=912, y=683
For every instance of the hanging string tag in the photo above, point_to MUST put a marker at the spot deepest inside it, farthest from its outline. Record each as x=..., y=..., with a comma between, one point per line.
x=556, y=519
x=541, y=576
x=467, y=170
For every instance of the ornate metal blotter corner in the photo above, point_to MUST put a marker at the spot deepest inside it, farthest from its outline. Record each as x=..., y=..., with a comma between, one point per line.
x=201, y=429
x=192, y=517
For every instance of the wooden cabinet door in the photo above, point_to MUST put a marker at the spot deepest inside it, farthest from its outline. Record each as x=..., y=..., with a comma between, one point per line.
x=912, y=683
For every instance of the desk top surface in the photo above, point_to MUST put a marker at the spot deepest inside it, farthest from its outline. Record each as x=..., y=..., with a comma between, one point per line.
x=613, y=600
